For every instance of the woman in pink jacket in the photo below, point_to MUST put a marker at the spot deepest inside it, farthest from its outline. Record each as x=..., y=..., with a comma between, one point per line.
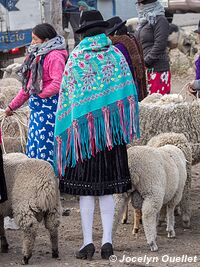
x=41, y=78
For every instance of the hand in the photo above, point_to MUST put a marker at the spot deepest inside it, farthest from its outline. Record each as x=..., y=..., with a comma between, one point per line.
x=191, y=84
x=190, y=88
x=68, y=4
x=8, y=112
x=81, y=8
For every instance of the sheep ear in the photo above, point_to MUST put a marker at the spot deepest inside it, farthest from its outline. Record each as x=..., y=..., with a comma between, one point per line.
x=187, y=42
x=6, y=70
x=3, y=69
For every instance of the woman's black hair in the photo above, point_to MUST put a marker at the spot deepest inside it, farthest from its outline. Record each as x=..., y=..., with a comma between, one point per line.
x=44, y=31
x=93, y=31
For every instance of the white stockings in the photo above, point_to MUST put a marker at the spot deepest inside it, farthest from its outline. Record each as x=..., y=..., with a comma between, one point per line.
x=107, y=209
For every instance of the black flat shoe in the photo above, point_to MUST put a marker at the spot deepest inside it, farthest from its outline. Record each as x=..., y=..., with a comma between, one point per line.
x=106, y=251
x=86, y=253
x=66, y=212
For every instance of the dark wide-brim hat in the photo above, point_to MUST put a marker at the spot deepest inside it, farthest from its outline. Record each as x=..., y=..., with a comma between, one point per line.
x=115, y=23
x=91, y=19
x=144, y=2
x=198, y=30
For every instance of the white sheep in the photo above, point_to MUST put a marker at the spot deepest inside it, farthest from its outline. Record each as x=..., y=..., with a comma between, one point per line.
x=9, y=88
x=167, y=114
x=33, y=196
x=158, y=174
x=14, y=130
x=10, y=84
x=181, y=142
x=7, y=82
x=132, y=24
x=11, y=71
x=170, y=113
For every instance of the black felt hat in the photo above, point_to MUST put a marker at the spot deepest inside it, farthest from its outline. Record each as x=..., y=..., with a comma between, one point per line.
x=91, y=19
x=198, y=30
x=115, y=23
x=144, y=2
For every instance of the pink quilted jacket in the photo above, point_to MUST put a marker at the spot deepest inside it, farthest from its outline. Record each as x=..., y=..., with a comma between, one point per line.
x=54, y=65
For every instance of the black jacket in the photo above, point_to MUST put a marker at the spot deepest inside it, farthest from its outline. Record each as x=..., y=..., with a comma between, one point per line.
x=3, y=189
x=153, y=39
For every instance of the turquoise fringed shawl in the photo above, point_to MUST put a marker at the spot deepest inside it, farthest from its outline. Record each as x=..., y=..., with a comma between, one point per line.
x=98, y=104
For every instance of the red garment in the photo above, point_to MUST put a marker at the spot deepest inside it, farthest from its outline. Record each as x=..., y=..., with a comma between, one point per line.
x=159, y=82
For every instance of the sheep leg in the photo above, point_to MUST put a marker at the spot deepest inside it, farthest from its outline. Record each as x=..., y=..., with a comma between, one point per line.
x=186, y=214
x=150, y=209
x=162, y=215
x=185, y=203
x=121, y=202
x=51, y=223
x=29, y=234
x=170, y=213
x=125, y=214
x=4, y=243
x=170, y=221
x=137, y=215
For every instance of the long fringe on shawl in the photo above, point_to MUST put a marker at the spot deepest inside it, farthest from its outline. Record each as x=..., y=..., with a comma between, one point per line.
x=112, y=125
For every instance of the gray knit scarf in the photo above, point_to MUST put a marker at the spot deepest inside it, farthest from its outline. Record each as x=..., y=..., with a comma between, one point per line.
x=33, y=63
x=148, y=12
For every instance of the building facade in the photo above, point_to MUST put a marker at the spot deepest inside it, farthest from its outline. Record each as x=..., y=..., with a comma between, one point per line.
x=124, y=8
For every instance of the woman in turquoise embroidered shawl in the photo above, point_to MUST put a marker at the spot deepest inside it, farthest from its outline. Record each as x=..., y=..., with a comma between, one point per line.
x=97, y=116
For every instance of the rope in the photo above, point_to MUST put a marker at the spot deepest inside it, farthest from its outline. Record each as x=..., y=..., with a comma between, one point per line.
x=18, y=117
x=185, y=90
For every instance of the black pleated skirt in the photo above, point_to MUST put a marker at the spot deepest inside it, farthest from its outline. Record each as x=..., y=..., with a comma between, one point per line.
x=106, y=173
x=3, y=189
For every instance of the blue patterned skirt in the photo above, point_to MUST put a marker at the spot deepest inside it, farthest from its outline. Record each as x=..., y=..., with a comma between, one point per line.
x=41, y=127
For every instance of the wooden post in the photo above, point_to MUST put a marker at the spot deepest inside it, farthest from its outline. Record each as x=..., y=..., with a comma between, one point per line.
x=114, y=7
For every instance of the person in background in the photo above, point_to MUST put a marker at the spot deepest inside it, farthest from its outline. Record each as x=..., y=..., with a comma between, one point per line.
x=132, y=51
x=92, y=3
x=153, y=32
x=194, y=86
x=97, y=116
x=71, y=14
x=83, y=6
x=41, y=78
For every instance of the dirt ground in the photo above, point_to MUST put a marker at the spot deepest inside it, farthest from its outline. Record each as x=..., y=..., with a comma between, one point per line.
x=186, y=244
x=135, y=251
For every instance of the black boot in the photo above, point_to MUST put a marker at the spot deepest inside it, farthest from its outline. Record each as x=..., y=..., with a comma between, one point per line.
x=86, y=253
x=106, y=251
